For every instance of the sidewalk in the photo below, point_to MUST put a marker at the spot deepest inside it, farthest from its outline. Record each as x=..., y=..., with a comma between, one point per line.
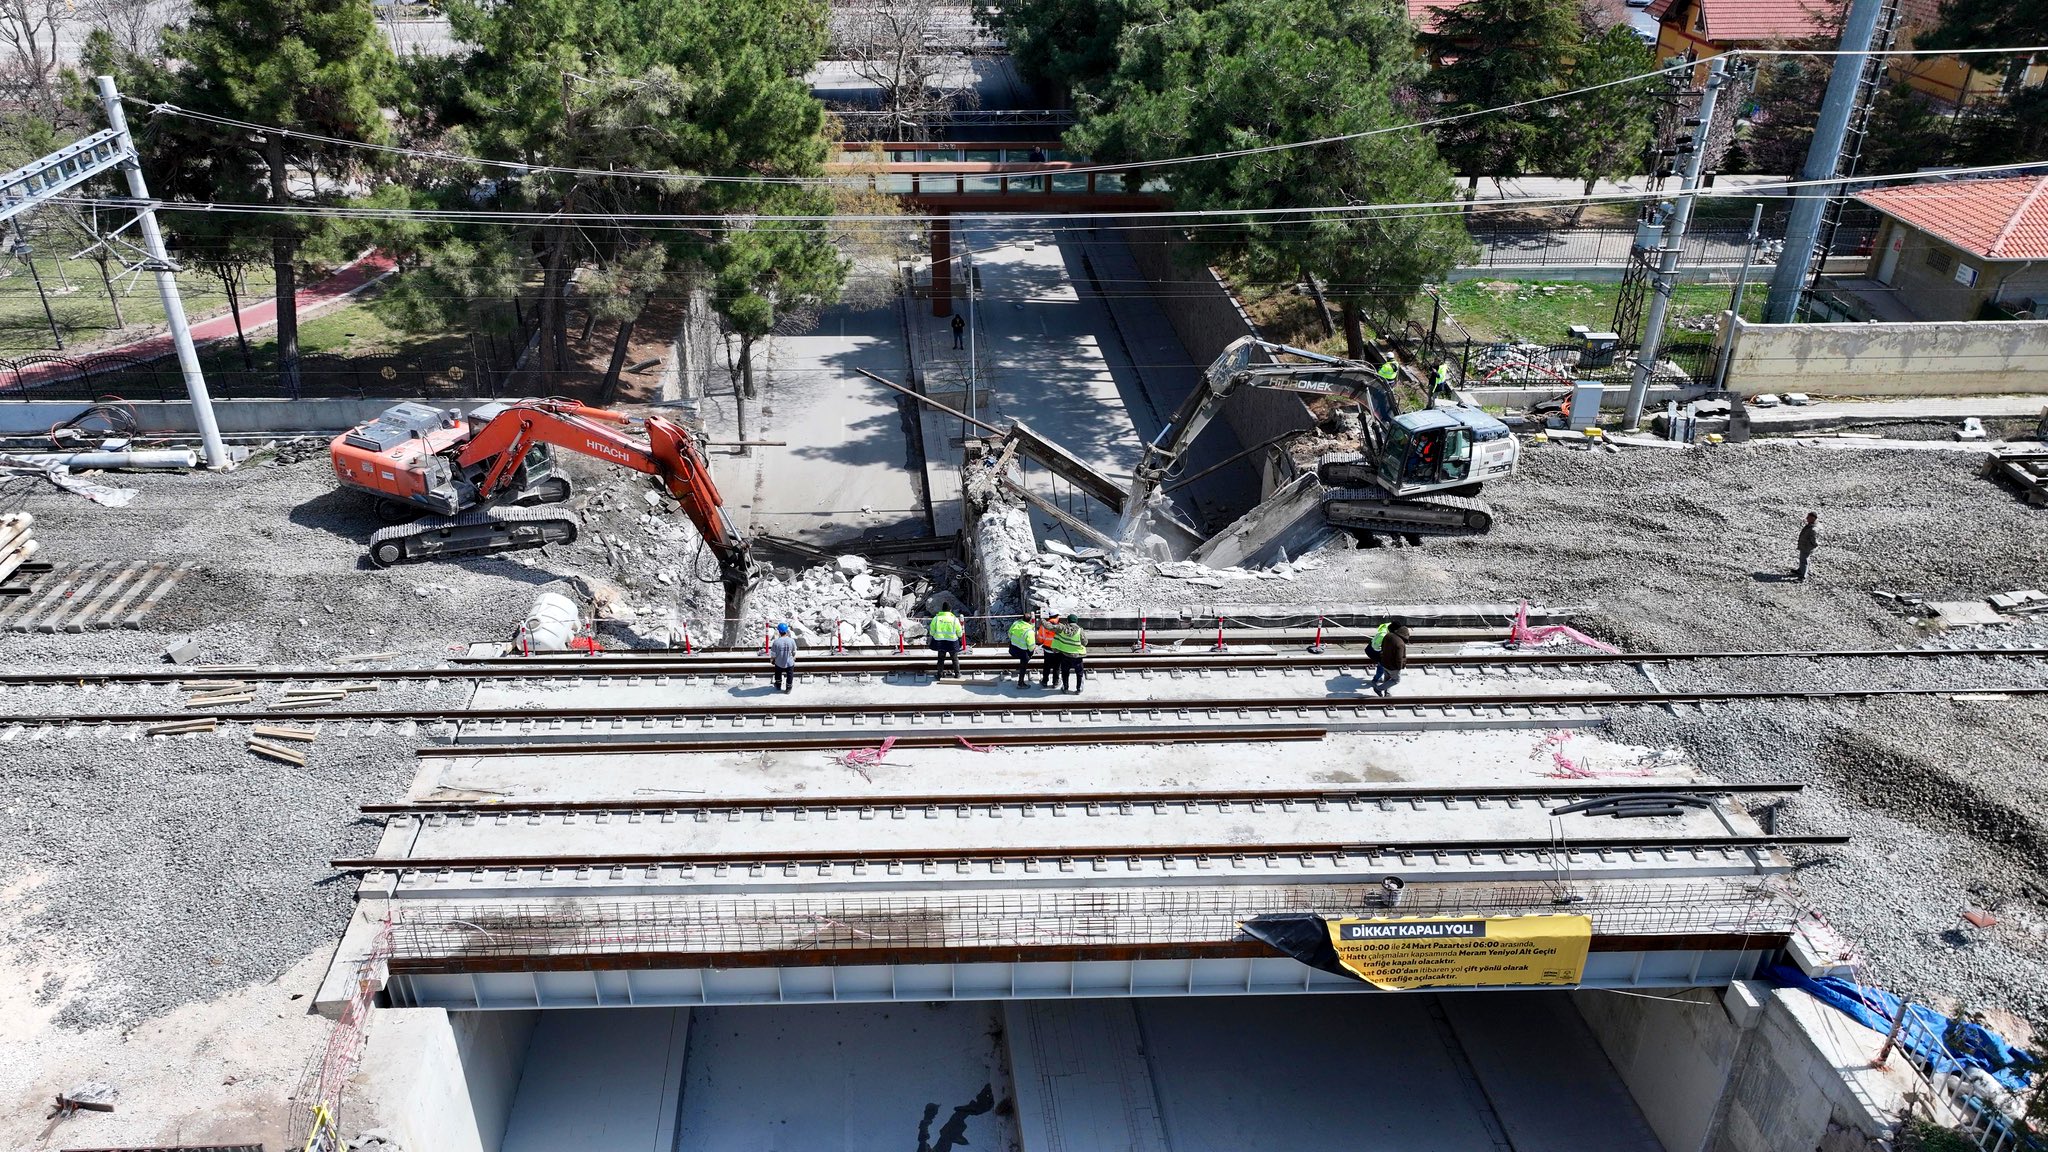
x=314, y=299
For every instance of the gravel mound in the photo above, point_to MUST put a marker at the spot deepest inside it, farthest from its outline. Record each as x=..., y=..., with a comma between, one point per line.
x=181, y=868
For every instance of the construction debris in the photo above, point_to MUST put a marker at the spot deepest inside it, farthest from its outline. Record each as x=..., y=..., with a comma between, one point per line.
x=91, y=1096
x=275, y=751
x=182, y=727
x=301, y=735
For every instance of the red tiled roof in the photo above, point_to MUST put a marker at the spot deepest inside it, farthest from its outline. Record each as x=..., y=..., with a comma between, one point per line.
x=1424, y=12
x=1996, y=219
x=1755, y=21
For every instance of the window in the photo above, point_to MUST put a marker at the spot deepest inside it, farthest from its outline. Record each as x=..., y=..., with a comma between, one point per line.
x=1940, y=260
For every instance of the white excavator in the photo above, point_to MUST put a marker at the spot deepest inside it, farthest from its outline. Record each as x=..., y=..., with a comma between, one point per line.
x=1418, y=472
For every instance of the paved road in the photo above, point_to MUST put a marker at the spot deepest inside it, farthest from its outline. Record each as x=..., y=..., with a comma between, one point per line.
x=849, y=470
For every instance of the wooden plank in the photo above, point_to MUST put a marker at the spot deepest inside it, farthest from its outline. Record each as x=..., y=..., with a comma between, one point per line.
x=274, y=733
x=134, y=619
x=94, y=578
x=83, y=618
x=277, y=752
x=143, y=580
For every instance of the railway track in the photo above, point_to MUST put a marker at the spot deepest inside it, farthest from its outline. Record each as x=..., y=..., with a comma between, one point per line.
x=1508, y=794
x=723, y=664
x=1063, y=708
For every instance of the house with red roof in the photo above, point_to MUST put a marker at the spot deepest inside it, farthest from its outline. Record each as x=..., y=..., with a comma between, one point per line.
x=1956, y=250
x=1702, y=29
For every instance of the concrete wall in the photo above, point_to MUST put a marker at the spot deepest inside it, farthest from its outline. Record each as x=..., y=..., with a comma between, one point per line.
x=235, y=417
x=1749, y=1069
x=1674, y=1055
x=445, y=1081
x=1958, y=359
x=1207, y=318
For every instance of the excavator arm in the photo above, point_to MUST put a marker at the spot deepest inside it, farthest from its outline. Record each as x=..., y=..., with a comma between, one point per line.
x=1234, y=369
x=668, y=452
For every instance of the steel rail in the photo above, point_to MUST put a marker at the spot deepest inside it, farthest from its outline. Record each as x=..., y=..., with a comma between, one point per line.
x=1405, y=793
x=516, y=668
x=1154, y=851
x=1067, y=705
x=786, y=741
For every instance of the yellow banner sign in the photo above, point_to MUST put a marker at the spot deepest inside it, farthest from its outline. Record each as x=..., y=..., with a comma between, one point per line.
x=1464, y=952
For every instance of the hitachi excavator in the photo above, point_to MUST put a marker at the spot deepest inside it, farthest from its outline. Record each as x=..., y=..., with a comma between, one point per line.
x=1418, y=471
x=453, y=486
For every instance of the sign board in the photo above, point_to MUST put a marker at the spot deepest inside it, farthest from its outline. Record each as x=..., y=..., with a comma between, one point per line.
x=1463, y=951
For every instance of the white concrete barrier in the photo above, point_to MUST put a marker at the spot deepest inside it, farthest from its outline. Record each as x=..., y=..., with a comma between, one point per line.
x=1950, y=359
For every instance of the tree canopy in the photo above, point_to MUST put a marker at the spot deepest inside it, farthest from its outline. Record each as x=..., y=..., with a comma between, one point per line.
x=1248, y=73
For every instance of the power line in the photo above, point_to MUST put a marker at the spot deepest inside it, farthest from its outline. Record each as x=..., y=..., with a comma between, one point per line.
x=725, y=222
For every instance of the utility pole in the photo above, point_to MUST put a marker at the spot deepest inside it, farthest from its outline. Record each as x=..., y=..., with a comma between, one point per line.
x=973, y=367
x=1756, y=226
x=215, y=454
x=1674, y=244
x=1823, y=161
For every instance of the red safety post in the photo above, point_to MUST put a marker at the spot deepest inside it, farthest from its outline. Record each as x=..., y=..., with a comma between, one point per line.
x=839, y=637
x=1317, y=646
x=767, y=635
x=1220, y=646
x=687, y=649
x=899, y=639
x=1142, y=645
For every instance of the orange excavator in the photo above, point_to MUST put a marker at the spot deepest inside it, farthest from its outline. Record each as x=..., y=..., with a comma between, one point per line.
x=453, y=486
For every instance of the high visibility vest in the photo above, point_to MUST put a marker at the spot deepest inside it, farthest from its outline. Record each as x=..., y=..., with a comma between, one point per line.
x=1070, y=640
x=1443, y=372
x=945, y=626
x=1379, y=635
x=1020, y=634
x=1389, y=373
x=1045, y=635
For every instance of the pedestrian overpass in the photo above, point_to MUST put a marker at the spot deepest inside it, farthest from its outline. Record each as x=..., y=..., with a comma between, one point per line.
x=1029, y=178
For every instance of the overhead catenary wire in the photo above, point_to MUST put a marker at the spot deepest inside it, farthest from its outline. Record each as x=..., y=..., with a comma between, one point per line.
x=725, y=221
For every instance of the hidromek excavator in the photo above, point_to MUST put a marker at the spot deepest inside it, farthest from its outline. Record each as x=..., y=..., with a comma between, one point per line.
x=451, y=486
x=1418, y=471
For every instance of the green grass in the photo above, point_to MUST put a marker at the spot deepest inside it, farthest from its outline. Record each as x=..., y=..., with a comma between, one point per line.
x=1542, y=312
x=78, y=299
x=354, y=329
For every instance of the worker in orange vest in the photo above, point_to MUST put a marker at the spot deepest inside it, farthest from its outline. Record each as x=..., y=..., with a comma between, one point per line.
x=1048, y=627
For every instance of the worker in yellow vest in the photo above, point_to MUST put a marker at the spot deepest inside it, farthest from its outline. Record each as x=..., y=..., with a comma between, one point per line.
x=1376, y=643
x=944, y=633
x=1390, y=373
x=1023, y=638
x=1071, y=642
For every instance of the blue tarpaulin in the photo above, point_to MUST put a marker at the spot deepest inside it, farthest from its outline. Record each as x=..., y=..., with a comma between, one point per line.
x=1926, y=1033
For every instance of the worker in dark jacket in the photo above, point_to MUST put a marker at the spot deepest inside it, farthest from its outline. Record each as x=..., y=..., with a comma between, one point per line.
x=1809, y=539
x=959, y=331
x=1071, y=642
x=1393, y=658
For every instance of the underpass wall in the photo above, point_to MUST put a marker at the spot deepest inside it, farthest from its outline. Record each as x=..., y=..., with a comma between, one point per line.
x=1950, y=359
x=1207, y=318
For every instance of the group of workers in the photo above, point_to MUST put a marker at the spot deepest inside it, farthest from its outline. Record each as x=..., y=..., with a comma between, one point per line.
x=1062, y=645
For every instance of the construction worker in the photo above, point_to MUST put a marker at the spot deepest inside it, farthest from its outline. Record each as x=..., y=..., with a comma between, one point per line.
x=1377, y=642
x=945, y=632
x=782, y=658
x=1389, y=372
x=1023, y=638
x=1393, y=656
x=1442, y=381
x=1047, y=630
x=1809, y=539
x=1071, y=642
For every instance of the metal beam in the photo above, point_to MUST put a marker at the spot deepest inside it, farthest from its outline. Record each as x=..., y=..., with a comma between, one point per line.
x=1066, y=465
x=40, y=181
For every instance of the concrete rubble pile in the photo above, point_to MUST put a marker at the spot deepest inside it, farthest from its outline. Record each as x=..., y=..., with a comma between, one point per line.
x=658, y=576
x=865, y=604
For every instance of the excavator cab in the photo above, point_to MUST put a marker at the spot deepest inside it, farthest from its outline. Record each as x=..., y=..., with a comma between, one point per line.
x=1443, y=449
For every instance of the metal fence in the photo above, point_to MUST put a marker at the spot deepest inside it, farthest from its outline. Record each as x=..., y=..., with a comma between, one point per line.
x=1429, y=335
x=479, y=369
x=1609, y=247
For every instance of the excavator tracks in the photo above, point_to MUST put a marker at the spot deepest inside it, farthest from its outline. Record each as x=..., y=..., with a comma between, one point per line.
x=502, y=528
x=1373, y=509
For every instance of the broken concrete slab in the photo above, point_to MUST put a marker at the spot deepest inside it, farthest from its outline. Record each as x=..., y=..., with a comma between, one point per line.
x=1964, y=613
